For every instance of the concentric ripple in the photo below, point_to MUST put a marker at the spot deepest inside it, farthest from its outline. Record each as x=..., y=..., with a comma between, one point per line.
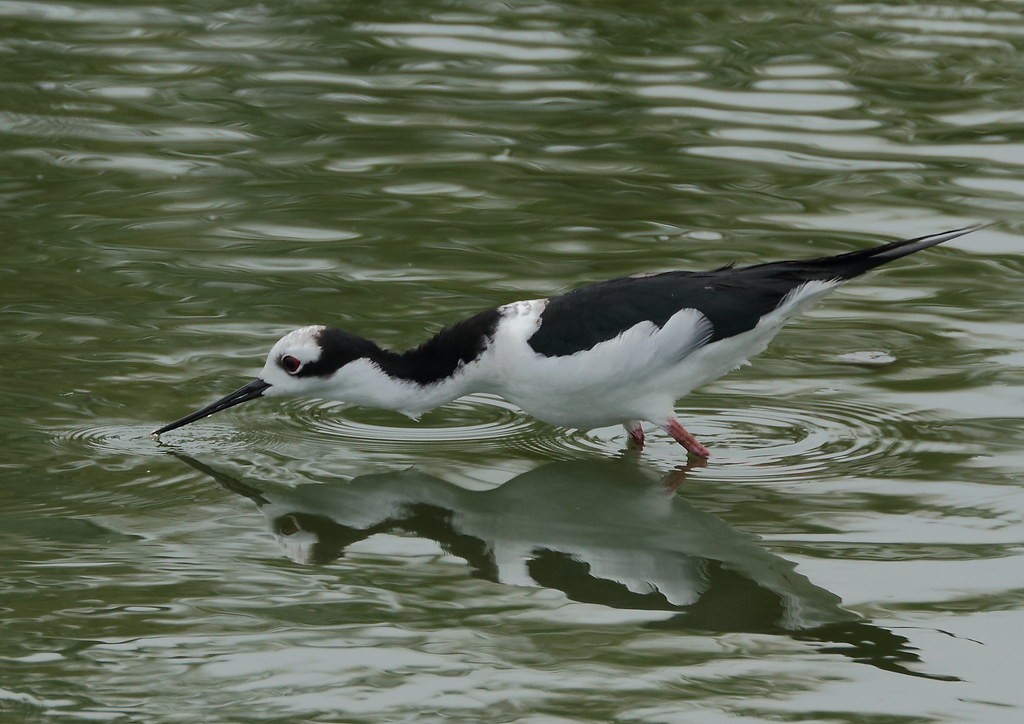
x=308, y=428
x=765, y=441
x=135, y=440
x=804, y=441
x=481, y=420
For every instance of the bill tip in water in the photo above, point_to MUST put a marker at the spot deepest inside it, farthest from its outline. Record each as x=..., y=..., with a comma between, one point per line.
x=155, y=436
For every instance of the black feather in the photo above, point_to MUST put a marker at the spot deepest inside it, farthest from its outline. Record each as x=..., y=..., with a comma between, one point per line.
x=337, y=349
x=734, y=299
x=440, y=356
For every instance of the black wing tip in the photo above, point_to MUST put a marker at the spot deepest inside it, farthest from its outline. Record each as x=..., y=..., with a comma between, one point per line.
x=923, y=242
x=853, y=264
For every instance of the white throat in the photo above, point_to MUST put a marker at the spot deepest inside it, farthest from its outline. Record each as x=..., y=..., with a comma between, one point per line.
x=363, y=383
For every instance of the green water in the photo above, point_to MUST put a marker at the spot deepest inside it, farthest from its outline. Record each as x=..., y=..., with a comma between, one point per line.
x=183, y=182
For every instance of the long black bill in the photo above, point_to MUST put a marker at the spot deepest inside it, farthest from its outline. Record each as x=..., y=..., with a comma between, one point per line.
x=243, y=394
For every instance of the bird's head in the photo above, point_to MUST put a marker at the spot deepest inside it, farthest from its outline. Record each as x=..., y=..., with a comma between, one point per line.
x=308, y=362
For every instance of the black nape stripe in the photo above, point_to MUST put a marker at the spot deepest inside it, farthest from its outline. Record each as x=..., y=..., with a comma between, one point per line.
x=337, y=349
x=439, y=357
x=436, y=359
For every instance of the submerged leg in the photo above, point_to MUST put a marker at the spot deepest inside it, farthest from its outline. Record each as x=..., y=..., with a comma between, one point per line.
x=636, y=433
x=688, y=441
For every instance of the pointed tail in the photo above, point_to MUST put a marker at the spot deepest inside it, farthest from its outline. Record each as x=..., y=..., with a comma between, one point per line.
x=854, y=263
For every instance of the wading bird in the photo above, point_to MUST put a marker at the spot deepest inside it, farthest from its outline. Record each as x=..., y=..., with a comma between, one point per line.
x=616, y=352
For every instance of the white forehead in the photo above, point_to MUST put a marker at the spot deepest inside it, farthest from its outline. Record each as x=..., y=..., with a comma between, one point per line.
x=300, y=343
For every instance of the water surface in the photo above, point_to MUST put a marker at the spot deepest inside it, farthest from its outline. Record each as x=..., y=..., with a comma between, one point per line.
x=184, y=183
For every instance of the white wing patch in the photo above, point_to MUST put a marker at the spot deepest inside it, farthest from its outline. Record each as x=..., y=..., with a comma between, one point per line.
x=642, y=349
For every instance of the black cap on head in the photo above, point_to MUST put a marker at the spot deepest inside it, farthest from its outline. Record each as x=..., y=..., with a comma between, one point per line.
x=337, y=349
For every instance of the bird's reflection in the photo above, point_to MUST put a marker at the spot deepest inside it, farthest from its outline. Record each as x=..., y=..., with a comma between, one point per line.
x=602, y=532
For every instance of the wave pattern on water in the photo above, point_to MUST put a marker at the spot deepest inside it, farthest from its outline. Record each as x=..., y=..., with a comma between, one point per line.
x=816, y=439
x=184, y=182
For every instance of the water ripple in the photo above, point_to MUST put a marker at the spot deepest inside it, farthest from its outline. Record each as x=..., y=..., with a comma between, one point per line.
x=751, y=100
x=316, y=430
x=113, y=440
x=773, y=441
x=482, y=422
x=183, y=182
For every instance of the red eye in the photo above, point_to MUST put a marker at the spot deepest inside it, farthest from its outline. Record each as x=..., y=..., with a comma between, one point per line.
x=291, y=364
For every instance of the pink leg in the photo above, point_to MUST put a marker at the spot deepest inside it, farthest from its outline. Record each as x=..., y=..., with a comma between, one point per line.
x=636, y=432
x=688, y=441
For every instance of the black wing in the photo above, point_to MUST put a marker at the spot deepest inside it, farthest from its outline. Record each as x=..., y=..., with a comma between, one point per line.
x=733, y=299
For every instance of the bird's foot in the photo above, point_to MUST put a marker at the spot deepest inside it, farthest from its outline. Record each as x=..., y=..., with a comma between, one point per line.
x=636, y=434
x=684, y=438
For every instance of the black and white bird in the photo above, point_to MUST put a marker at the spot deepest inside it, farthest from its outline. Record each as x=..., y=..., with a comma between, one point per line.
x=616, y=352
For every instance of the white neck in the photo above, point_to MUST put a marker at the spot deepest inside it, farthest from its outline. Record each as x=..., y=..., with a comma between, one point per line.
x=364, y=383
